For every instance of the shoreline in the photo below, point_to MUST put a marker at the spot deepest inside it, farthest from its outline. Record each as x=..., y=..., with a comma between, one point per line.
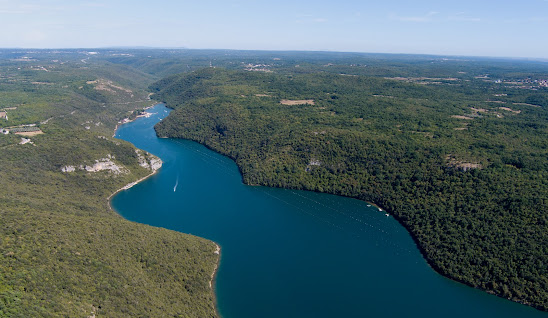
x=214, y=278
x=218, y=252
x=429, y=261
x=128, y=120
x=131, y=184
x=377, y=206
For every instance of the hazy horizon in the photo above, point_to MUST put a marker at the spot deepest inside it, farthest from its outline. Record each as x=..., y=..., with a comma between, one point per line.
x=468, y=28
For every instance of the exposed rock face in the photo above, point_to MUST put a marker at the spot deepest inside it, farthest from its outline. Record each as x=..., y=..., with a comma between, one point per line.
x=68, y=169
x=99, y=165
x=24, y=141
x=155, y=163
x=148, y=161
x=105, y=164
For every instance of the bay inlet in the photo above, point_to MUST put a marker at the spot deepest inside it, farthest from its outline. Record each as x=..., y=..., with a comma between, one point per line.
x=289, y=253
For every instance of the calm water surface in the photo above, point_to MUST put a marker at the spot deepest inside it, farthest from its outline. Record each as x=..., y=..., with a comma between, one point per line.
x=292, y=253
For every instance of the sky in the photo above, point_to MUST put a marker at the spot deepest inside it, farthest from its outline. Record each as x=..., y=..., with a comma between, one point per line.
x=504, y=28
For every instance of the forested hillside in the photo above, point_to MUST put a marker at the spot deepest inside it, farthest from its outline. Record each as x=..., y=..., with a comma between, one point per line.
x=64, y=252
x=455, y=148
x=460, y=159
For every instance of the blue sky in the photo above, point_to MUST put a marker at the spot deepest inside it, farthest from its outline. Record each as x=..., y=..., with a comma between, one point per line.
x=464, y=27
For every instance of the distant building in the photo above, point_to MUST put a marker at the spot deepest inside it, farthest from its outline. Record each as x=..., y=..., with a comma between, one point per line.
x=24, y=129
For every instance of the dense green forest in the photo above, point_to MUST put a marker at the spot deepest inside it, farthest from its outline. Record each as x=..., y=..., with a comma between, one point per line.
x=64, y=252
x=455, y=150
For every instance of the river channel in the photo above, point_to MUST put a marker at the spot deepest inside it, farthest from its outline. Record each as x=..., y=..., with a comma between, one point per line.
x=289, y=253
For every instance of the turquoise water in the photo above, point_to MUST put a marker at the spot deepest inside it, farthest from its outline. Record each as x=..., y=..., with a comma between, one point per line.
x=292, y=253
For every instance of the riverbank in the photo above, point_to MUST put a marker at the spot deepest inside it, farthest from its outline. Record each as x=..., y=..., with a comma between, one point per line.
x=131, y=118
x=214, y=277
x=466, y=220
x=218, y=252
x=290, y=253
x=217, y=247
x=421, y=246
x=155, y=168
x=131, y=184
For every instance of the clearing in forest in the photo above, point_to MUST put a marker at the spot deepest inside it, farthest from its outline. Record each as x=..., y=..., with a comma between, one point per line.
x=297, y=102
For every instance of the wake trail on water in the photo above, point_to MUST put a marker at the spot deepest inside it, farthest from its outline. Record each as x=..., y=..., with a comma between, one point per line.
x=353, y=218
x=314, y=208
x=355, y=215
x=297, y=208
x=176, y=184
x=212, y=160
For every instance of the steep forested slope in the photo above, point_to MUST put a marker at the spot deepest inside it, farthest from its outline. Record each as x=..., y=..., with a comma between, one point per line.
x=461, y=162
x=64, y=252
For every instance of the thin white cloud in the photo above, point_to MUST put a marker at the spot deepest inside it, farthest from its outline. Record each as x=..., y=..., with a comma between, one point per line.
x=27, y=8
x=308, y=19
x=94, y=5
x=46, y=7
x=12, y=11
x=31, y=7
x=526, y=20
x=8, y=7
x=463, y=19
x=424, y=18
x=434, y=16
